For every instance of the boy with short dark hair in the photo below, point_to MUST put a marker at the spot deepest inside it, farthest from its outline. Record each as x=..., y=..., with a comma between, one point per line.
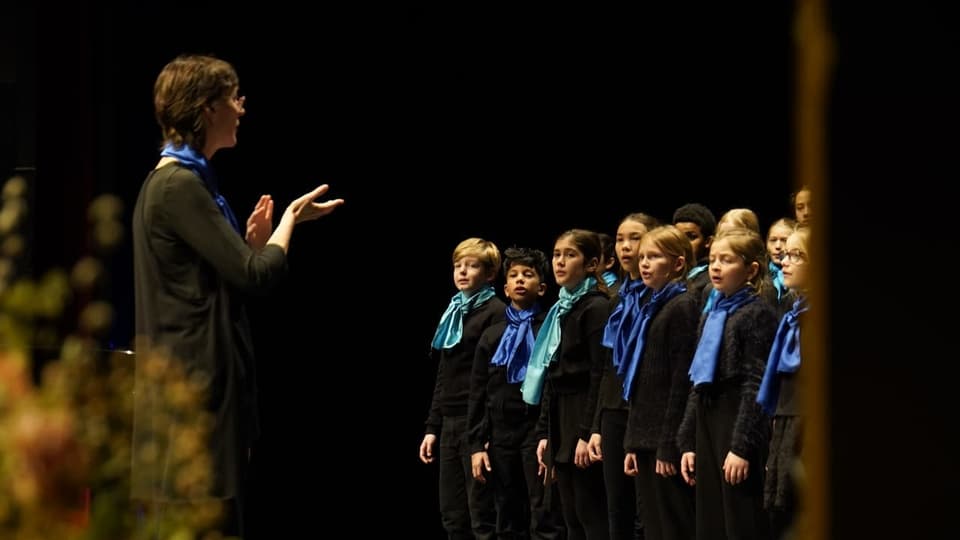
x=501, y=427
x=698, y=223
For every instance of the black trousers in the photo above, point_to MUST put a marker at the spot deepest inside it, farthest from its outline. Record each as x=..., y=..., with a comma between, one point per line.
x=725, y=511
x=667, y=503
x=625, y=523
x=466, y=506
x=522, y=510
x=584, y=501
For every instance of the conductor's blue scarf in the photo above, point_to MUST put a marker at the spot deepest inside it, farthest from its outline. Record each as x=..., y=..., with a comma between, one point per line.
x=196, y=162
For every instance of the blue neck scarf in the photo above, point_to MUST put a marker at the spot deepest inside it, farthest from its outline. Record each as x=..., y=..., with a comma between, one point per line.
x=628, y=369
x=711, y=300
x=696, y=270
x=196, y=162
x=776, y=274
x=708, y=349
x=517, y=343
x=784, y=356
x=620, y=330
x=548, y=340
x=450, y=329
x=609, y=278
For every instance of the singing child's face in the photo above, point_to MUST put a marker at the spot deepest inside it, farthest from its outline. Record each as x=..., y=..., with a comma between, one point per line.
x=657, y=268
x=523, y=286
x=795, y=265
x=777, y=242
x=469, y=274
x=729, y=272
x=700, y=244
x=801, y=207
x=569, y=266
x=628, y=241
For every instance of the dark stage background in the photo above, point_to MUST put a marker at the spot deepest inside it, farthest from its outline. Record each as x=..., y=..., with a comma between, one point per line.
x=443, y=123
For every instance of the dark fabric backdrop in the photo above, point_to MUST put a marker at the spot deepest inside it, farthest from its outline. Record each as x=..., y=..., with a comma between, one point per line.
x=516, y=124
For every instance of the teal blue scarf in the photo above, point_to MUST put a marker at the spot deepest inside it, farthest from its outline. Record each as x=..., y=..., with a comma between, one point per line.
x=548, y=340
x=609, y=278
x=696, y=270
x=450, y=329
x=776, y=275
x=711, y=300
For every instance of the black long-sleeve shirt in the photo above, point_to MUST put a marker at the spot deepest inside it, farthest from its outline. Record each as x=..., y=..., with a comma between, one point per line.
x=452, y=389
x=576, y=370
x=610, y=394
x=747, y=337
x=662, y=383
x=490, y=392
x=192, y=272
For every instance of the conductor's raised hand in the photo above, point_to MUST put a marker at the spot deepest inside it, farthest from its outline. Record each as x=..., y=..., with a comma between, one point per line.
x=305, y=208
x=260, y=223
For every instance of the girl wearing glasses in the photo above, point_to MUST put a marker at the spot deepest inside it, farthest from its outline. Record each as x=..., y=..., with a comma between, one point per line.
x=777, y=236
x=778, y=394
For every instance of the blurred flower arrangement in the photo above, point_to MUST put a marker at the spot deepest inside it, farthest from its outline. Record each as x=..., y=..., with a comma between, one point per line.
x=66, y=403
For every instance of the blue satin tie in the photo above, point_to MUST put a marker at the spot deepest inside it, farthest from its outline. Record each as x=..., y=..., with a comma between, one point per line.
x=516, y=344
x=620, y=331
x=708, y=349
x=628, y=369
x=196, y=162
x=784, y=356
